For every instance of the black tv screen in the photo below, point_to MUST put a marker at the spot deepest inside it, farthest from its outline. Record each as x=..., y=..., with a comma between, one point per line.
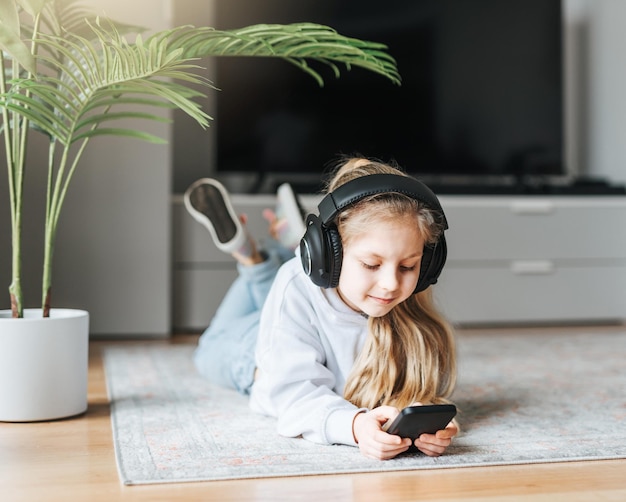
x=481, y=95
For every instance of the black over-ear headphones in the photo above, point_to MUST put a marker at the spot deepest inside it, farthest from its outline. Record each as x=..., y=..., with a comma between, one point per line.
x=320, y=248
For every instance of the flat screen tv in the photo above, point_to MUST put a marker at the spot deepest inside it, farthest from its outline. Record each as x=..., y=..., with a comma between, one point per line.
x=481, y=99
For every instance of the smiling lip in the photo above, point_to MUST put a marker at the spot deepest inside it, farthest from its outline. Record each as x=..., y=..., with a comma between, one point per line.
x=382, y=301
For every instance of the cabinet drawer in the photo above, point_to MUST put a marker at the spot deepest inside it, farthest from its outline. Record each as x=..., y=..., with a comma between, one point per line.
x=499, y=295
x=483, y=228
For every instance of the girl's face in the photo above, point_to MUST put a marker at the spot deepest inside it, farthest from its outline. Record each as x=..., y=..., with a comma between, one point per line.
x=380, y=267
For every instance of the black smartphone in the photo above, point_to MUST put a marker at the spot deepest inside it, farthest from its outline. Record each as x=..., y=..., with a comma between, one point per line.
x=416, y=420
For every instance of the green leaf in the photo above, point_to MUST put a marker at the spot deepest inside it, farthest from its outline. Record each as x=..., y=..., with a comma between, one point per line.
x=100, y=119
x=10, y=41
x=9, y=17
x=33, y=7
x=293, y=42
x=128, y=133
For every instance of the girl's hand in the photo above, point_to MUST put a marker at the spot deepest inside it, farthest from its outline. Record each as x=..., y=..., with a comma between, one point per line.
x=372, y=440
x=434, y=445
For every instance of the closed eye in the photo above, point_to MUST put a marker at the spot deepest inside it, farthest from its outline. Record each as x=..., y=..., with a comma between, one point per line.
x=368, y=266
x=403, y=268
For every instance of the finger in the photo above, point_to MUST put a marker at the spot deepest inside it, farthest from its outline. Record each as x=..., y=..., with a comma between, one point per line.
x=435, y=439
x=432, y=446
x=445, y=434
x=430, y=450
x=449, y=432
x=382, y=452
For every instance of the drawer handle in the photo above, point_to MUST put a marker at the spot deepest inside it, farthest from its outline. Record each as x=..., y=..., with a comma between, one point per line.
x=532, y=267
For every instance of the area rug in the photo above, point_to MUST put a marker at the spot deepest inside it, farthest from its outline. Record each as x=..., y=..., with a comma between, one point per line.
x=523, y=397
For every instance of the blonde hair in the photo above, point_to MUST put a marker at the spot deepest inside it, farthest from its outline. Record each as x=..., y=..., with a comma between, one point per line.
x=409, y=354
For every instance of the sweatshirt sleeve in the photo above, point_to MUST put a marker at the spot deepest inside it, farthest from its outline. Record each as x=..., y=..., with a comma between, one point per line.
x=300, y=389
x=294, y=383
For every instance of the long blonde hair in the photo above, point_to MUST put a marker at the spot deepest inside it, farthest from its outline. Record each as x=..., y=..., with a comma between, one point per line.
x=409, y=354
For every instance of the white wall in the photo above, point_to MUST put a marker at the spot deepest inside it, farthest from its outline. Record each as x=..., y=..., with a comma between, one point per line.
x=595, y=77
x=119, y=213
x=607, y=82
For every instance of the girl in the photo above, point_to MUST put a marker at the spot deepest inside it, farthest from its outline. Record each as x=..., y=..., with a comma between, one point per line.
x=335, y=341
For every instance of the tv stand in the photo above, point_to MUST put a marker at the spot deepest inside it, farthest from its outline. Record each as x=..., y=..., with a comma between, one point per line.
x=582, y=186
x=512, y=259
x=302, y=183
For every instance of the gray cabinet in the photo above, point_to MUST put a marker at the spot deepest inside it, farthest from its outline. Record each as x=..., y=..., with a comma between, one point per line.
x=511, y=260
x=534, y=259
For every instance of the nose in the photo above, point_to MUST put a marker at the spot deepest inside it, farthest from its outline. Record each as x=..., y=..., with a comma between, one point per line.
x=389, y=279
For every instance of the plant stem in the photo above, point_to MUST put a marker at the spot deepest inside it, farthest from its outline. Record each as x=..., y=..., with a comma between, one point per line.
x=52, y=210
x=15, y=172
x=16, y=140
x=50, y=230
x=54, y=204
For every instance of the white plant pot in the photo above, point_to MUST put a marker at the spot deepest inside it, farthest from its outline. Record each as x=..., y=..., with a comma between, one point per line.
x=43, y=365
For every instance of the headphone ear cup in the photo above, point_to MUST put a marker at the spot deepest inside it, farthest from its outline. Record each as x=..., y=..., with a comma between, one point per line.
x=432, y=264
x=321, y=253
x=312, y=250
x=335, y=255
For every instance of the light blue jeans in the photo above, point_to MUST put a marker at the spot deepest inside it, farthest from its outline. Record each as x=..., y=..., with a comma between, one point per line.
x=225, y=352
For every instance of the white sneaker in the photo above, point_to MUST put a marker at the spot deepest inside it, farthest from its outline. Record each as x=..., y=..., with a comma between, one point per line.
x=208, y=202
x=290, y=214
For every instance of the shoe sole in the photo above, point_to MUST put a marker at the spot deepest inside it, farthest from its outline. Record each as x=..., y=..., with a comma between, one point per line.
x=209, y=204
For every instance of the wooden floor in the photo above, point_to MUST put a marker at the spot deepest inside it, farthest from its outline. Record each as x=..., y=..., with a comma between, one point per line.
x=73, y=460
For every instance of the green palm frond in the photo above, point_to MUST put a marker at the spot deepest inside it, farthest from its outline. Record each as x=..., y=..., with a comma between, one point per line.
x=297, y=43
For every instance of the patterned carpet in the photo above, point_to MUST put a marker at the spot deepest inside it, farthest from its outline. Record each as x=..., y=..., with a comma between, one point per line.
x=523, y=397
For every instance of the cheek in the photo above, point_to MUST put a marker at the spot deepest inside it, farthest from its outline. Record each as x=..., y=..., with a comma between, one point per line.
x=348, y=272
x=352, y=276
x=410, y=280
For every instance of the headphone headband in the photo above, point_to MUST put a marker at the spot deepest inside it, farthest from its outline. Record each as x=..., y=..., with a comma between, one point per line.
x=321, y=250
x=355, y=190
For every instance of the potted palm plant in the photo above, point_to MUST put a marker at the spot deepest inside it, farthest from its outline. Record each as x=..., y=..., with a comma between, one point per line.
x=71, y=76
